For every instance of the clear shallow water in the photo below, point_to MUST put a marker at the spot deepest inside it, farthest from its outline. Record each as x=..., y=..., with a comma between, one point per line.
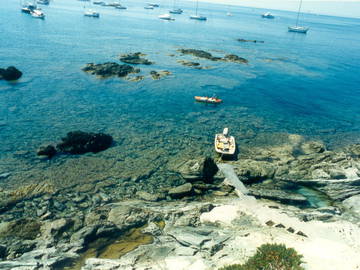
x=304, y=84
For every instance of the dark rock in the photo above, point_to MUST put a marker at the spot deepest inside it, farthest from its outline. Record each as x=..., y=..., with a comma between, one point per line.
x=181, y=191
x=301, y=234
x=134, y=58
x=200, y=54
x=312, y=147
x=290, y=230
x=10, y=74
x=48, y=151
x=198, y=169
x=109, y=69
x=249, y=40
x=236, y=59
x=79, y=142
x=280, y=226
x=2, y=251
x=270, y=223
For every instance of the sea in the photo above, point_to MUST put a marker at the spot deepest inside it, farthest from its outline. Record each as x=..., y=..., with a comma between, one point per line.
x=306, y=84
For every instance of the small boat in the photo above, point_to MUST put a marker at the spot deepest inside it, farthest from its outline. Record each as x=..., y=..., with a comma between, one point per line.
x=43, y=2
x=196, y=16
x=297, y=28
x=37, y=13
x=28, y=8
x=148, y=7
x=91, y=13
x=268, y=15
x=176, y=11
x=225, y=144
x=166, y=17
x=114, y=4
x=98, y=2
x=212, y=100
x=120, y=7
x=229, y=14
x=153, y=5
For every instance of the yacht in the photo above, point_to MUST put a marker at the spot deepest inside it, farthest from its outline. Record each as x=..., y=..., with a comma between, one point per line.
x=176, y=11
x=297, y=28
x=268, y=15
x=43, y=2
x=91, y=13
x=166, y=17
x=28, y=7
x=120, y=7
x=196, y=16
x=37, y=13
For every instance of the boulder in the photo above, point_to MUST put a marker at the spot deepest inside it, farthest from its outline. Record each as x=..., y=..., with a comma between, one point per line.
x=198, y=169
x=312, y=147
x=134, y=58
x=126, y=217
x=10, y=74
x=253, y=170
x=46, y=150
x=181, y=191
x=79, y=142
x=236, y=59
x=109, y=69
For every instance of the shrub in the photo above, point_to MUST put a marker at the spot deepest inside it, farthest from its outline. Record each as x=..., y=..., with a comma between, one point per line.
x=271, y=257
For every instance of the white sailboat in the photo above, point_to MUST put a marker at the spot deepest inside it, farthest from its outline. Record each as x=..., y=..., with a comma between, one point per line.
x=176, y=10
x=297, y=28
x=196, y=16
x=166, y=17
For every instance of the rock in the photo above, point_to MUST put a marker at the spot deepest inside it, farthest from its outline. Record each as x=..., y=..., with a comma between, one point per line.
x=10, y=74
x=355, y=150
x=148, y=196
x=253, y=170
x=200, y=54
x=79, y=142
x=134, y=58
x=198, y=169
x=249, y=40
x=312, y=147
x=188, y=63
x=48, y=150
x=270, y=223
x=181, y=191
x=290, y=230
x=280, y=226
x=22, y=228
x=234, y=58
x=126, y=217
x=4, y=175
x=301, y=234
x=189, y=237
x=110, y=69
x=278, y=195
x=157, y=75
x=352, y=204
x=54, y=229
x=2, y=251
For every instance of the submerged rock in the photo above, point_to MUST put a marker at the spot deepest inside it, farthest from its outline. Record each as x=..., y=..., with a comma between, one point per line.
x=198, y=169
x=236, y=59
x=188, y=63
x=109, y=69
x=181, y=191
x=249, y=40
x=200, y=54
x=312, y=147
x=134, y=58
x=79, y=142
x=48, y=151
x=157, y=75
x=10, y=74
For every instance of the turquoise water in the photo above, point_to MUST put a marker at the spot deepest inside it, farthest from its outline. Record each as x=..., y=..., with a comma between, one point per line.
x=304, y=84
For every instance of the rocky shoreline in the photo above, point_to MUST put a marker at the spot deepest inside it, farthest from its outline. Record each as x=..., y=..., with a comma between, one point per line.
x=196, y=223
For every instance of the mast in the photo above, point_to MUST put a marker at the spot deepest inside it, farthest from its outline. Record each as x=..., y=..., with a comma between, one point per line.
x=297, y=18
x=197, y=3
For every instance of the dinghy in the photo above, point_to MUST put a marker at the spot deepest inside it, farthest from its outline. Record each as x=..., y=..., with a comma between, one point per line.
x=212, y=100
x=225, y=144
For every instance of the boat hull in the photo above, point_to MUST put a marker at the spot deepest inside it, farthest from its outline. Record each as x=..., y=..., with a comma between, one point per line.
x=225, y=145
x=199, y=18
x=210, y=100
x=298, y=29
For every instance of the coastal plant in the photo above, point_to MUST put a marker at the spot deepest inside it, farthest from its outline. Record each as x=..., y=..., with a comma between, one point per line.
x=271, y=257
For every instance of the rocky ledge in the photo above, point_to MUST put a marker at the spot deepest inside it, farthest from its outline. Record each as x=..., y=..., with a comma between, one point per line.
x=206, y=55
x=109, y=69
x=134, y=58
x=10, y=74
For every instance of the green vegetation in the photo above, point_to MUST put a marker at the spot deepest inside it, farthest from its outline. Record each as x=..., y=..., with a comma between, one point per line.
x=271, y=257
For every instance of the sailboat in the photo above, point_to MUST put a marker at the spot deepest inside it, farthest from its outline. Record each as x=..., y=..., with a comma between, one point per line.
x=196, y=16
x=176, y=10
x=297, y=28
x=91, y=13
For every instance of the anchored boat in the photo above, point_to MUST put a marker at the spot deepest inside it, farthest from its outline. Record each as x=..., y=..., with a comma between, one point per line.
x=212, y=100
x=225, y=144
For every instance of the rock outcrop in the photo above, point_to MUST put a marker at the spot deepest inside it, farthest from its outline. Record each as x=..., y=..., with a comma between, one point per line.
x=79, y=142
x=198, y=169
x=10, y=74
x=135, y=59
x=110, y=69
